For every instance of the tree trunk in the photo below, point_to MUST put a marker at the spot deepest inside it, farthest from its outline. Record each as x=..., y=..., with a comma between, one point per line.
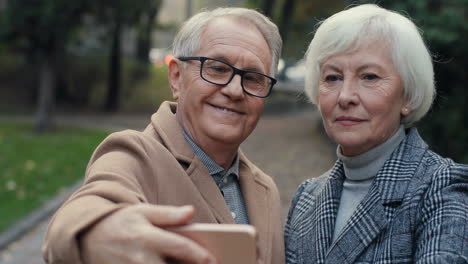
x=46, y=98
x=286, y=16
x=144, y=36
x=114, y=83
x=285, y=22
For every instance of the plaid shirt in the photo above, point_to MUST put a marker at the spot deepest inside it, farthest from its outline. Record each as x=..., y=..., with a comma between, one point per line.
x=227, y=181
x=415, y=212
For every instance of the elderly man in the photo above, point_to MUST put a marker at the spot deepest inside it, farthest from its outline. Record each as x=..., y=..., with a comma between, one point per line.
x=186, y=165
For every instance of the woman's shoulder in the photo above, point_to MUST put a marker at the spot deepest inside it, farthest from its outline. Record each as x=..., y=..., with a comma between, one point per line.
x=439, y=166
x=310, y=187
x=441, y=175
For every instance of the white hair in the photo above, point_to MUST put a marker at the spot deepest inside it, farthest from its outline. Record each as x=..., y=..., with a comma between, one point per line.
x=350, y=29
x=187, y=40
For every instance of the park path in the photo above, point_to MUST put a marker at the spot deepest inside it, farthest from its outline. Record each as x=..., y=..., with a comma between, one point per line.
x=290, y=147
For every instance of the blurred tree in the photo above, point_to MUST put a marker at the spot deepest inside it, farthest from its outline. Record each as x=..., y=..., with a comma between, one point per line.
x=145, y=29
x=117, y=14
x=268, y=7
x=296, y=20
x=41, y=29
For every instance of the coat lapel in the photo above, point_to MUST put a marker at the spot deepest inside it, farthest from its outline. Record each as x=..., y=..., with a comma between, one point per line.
x=362, y=228
x=378, y=207
x=210, y=192
x=165, y=123
x=323, y=215
x=259, y=209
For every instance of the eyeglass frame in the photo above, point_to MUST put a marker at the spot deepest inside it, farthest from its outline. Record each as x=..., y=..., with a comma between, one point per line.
x=235, y=71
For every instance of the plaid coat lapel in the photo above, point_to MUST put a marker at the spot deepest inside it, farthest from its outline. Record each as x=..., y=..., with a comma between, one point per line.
x=324, y=215
x=377, y=209
x=362, y=228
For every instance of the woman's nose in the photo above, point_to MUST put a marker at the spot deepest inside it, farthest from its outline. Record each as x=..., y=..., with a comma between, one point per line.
x=349, y=94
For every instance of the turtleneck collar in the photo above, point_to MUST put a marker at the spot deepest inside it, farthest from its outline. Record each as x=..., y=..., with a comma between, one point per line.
x=366, y=165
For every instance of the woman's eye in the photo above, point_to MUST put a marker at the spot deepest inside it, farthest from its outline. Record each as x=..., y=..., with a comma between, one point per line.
x=370, y=77
x=332, y=78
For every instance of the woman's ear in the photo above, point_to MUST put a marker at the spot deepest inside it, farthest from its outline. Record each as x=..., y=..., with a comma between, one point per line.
x=175, y=78
x=405, y=110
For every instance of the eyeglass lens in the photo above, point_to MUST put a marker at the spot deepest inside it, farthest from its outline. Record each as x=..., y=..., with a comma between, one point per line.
x=221, y=73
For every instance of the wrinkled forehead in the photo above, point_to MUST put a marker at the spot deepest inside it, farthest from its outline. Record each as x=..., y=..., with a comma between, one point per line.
x=231, y=35
x=361, y=41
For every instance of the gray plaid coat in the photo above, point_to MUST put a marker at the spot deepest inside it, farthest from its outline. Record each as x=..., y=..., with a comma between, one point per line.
x=416, y=211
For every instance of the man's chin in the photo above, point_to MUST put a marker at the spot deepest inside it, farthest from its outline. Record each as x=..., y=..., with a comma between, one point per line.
x=227, y=136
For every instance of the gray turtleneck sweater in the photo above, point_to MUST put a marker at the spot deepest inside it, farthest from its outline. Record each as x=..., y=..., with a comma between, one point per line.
x=360, y=172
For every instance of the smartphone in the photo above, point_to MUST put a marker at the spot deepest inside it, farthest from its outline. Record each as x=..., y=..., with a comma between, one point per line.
x=229, y=243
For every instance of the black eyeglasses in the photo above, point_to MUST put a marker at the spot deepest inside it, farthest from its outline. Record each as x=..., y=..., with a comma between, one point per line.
x=221, y=73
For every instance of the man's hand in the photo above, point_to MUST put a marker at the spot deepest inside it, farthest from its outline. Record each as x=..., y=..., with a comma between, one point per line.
x=134, y=235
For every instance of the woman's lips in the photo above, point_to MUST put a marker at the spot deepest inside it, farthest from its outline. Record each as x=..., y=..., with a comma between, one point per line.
x=349, y=120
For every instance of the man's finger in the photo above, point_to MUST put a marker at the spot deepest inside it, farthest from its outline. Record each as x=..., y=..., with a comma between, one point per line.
x=163, y=216
x=175, y=246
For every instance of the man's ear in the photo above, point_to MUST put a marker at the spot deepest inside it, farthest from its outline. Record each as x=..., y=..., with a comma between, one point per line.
x=175, y=78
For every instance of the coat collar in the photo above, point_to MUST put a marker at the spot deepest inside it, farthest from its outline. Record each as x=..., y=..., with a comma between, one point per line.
x=254, y=189
x=374, y=212
x=165, y=124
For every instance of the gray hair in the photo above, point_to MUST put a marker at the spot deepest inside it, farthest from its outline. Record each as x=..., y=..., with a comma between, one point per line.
x=350, y=29
x=187, y=40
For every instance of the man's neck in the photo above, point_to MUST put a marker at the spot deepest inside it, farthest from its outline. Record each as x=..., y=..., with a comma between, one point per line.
x=221, y=153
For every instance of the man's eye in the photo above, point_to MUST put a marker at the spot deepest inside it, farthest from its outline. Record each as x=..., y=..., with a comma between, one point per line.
x=218, y=68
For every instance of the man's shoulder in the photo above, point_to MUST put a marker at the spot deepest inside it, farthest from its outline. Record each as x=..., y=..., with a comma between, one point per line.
x=130, y=142
x=132, y=137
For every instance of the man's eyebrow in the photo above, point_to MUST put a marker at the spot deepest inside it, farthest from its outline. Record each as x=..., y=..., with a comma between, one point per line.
x=249, y=68
x=221, y=58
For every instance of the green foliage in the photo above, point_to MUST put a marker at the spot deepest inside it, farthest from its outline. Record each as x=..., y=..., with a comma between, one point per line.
x=40, y=30
x=34, y=168
x=86, y=84
x=129, y=12
x=41, y=24
x=140, y=92
x=305, y=15
x=9, y=65
x=146, y=94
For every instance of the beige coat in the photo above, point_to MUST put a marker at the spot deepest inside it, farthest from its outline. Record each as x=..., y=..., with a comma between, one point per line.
x=157, y=166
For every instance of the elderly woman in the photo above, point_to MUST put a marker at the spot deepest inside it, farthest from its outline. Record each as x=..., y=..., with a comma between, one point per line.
x=388, y=198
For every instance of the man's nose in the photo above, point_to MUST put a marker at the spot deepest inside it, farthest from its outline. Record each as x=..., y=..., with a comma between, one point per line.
x=234, y=88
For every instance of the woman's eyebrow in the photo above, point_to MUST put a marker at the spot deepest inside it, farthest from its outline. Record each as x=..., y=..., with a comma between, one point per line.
x=333, y=67
x=369, y=65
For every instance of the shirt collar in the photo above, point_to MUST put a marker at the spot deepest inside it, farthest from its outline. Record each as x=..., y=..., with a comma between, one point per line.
x=210, y=164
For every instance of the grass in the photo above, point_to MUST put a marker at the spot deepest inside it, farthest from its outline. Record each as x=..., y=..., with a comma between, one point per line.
x=35, y=167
